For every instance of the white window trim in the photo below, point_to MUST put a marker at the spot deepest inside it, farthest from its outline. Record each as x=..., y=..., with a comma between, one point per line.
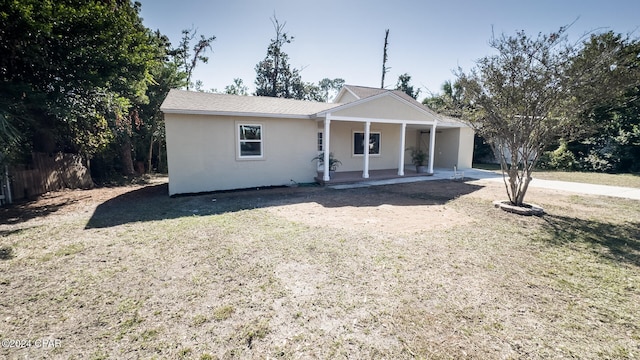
x=239, y=141
x=320, y=132
x=319, y=152
x=354, y=132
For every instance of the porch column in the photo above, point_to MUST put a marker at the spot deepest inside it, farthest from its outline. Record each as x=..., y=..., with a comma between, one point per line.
x=325, y=147
x=403, y=132
x=367, y=135
x=432, y=146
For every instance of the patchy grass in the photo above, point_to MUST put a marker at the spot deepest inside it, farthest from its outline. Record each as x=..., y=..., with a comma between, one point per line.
x=321, y=273
x=223, y=312
x=491, y=167
x=625, y=180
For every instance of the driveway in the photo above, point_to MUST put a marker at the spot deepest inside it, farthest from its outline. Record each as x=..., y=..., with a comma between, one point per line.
x=592, y=189
x=440, y=174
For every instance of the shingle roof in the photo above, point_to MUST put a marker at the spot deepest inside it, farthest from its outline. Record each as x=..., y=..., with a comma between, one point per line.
x=192, y=102
x=364, y=91
x=181, y=101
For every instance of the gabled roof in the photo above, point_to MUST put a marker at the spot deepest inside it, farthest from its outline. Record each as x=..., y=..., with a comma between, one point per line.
x=364, y=92
x=192, y=102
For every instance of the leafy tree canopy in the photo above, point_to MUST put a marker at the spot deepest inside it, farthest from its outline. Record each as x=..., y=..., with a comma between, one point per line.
x=606, y=107
x=72, y=71
x=404, y=85
x=514, y=100
x=237, y=88
x=449, y=102
x=328, y=86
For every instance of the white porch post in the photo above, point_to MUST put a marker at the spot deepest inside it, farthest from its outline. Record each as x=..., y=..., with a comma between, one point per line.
x=432, y=146
x=325, y=147
x=403, y=132
x=367, y=135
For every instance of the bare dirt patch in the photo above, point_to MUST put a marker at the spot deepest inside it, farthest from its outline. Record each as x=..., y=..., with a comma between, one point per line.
x=384, y=208
x=387, y=218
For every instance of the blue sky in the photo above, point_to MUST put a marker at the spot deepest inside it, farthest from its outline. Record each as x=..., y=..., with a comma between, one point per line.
x=342, y=38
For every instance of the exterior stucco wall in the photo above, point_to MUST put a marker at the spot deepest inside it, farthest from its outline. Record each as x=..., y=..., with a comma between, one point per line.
x=202, y=153
x=465, y=146
x=454, y=147
x=446, y=149
x=386, y=107
x=412, y=140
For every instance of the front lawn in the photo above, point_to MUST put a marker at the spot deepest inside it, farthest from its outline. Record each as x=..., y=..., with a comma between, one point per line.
x=421, y=270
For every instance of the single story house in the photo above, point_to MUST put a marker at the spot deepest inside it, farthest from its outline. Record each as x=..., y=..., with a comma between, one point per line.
x=222, y=142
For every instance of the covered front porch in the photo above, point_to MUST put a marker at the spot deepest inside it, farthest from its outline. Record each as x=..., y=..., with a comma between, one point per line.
x=388, y=154
x=375, y=136
x=350, y=177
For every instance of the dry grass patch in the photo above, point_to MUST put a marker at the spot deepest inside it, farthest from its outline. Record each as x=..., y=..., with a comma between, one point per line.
x=290, y=273
x=624, y=180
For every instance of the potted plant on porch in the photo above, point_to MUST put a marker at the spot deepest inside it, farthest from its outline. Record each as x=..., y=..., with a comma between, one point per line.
x=418, y=158
x=333, y=162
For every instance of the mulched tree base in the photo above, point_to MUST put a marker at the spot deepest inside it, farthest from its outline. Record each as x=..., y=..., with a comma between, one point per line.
x=525, y=209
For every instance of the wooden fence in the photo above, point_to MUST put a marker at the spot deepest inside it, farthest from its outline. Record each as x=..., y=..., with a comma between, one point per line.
x=48, y=172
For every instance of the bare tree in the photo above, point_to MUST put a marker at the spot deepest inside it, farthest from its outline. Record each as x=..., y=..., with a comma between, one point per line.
x=274, y=76
x=514, y=100
x=385, y=69
x=188, y=60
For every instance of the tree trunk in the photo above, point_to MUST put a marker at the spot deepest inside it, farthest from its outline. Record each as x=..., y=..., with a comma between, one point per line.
x=160, y=165
x=127, y=161
x=150, y=154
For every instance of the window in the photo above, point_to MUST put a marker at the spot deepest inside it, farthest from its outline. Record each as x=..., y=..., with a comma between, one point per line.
x=358, y=143
x=250, y=140
x=319, y=141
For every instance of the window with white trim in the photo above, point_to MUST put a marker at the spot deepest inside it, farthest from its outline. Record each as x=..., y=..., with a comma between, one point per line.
x=358, y=143
x=250, y=141
x=320, y=148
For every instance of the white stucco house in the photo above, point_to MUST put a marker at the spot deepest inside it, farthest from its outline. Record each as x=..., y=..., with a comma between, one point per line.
x=222, y=142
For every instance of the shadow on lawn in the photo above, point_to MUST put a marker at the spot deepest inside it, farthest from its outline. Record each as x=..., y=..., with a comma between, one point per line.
x=152, y=203
x=618, y=242
x=26, y=210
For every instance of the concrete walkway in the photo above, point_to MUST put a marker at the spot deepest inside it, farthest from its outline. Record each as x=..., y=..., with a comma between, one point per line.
x=441, y=174
x=574, y=187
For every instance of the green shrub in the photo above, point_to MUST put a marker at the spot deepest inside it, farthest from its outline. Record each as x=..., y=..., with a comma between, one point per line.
x=559, y=159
